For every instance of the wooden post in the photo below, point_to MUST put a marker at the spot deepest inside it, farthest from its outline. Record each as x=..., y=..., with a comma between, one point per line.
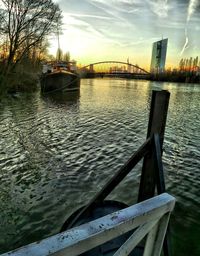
x=157, y=122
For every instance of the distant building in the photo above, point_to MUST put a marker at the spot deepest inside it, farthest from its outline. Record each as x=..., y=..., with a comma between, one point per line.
x=159, y=56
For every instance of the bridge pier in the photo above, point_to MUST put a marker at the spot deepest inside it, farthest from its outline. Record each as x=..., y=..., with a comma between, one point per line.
x=91, y=68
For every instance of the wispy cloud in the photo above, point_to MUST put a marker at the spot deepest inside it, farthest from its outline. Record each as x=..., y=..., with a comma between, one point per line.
x=160, y=7
x=131, y=25
x=90, y=16
x=175, y=25
x=79, y=23
x=74, y=22
x=193, y=4
x=116, y=9
x=185, y=46
x=140, y=42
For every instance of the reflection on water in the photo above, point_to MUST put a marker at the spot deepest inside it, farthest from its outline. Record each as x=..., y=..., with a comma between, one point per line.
x=57, y=151
x=67, y=98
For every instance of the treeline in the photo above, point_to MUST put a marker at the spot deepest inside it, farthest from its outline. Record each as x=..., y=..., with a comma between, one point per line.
x=176, y=76
x=24, y=27
x=190, y=64
x=187, y=72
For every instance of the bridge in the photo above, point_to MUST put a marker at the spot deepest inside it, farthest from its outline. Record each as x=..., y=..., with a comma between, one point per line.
x=113, y=69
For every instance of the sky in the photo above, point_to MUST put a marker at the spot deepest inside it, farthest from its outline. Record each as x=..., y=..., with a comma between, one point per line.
x=100, y=30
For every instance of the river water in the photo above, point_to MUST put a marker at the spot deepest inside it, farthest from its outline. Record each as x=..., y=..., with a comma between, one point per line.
x=57, y=152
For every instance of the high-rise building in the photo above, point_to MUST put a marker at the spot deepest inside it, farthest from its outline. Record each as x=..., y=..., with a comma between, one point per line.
x=158, y=58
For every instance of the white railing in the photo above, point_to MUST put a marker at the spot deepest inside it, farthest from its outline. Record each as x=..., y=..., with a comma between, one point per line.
x=149, y=218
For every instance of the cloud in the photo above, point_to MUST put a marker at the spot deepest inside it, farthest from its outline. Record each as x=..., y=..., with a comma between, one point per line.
x=175, y=25
x=117, y=9
x=73, y=22
x=193, y=4
x=160, y=7
x=140, y=42
x=186, y=45
x=90, y=16
x=84, y=26
x=132, y=25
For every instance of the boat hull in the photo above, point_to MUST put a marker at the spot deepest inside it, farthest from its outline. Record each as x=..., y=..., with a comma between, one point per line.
x=59, y=81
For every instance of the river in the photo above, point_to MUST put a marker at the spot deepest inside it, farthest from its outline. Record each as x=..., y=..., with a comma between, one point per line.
x=57, y=152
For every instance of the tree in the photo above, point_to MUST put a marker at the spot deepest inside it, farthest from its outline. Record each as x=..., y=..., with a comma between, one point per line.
x=66, y=56
x=26, y=23
x=181, y=65
x=59, y=54
x=195, y=63
x=190, y=63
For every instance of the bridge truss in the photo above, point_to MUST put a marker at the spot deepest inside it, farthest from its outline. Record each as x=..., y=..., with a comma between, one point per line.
x=113, y=67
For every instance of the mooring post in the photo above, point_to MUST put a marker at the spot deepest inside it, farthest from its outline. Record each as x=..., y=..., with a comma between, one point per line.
x=157, y=122
x=149, y=175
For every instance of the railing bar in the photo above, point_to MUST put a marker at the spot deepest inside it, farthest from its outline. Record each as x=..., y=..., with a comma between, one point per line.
x=124, y=170
x=162, y=228
x=135, y=238
x=160, y=183
x=114, y=181
x=87, y=236
x=148, y=249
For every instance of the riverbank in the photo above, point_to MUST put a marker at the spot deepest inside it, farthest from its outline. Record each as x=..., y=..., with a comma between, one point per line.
x=177, y=77
x=25, y=78
x=22, y=82
x=174, y=76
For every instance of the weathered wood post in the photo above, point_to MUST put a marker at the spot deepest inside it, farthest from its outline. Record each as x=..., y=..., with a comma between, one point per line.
x=157, y=122
x=149, y=176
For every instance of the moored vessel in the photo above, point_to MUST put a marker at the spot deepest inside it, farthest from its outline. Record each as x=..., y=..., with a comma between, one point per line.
x=59, y=76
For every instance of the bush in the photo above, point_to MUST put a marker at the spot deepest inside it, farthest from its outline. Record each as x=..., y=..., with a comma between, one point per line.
x=22, y=82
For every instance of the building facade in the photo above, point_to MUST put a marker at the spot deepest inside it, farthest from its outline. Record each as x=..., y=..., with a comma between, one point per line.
x=158, y=58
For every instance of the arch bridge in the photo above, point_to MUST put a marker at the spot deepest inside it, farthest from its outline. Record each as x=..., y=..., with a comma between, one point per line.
x=113, y=69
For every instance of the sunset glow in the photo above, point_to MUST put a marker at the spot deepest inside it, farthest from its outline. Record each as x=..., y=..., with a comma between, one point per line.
x=98, y=30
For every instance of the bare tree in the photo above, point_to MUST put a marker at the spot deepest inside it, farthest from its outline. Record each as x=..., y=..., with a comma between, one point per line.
x=26, y=23
x=66, y=56
x=59, y=54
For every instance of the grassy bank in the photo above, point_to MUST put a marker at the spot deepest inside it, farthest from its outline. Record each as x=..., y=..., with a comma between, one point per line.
x=24, y=78
x=22, y=82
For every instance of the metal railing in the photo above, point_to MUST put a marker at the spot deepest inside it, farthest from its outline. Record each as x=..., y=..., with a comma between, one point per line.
x=148, y=218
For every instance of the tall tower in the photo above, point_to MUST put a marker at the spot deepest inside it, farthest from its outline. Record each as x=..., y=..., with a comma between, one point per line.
x=158, y=58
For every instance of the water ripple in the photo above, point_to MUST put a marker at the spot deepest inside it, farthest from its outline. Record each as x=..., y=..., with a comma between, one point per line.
x=56, y=152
